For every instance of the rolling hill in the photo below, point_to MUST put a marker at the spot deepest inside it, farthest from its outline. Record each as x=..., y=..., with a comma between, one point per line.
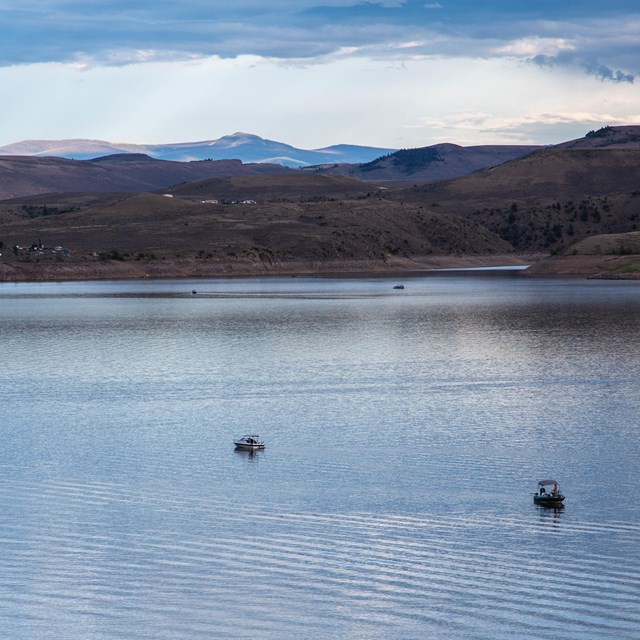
x=430, y=164
x=548, y=199
x=151, y=234
x=28, y=175
x=611, y=137
x=286, y=187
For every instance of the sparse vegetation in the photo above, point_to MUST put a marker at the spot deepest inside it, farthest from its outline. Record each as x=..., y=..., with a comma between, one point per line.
x=600, y=133
x=113, y=254
x=630, y=268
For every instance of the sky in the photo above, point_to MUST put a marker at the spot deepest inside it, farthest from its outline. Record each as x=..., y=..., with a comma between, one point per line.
x=312, y=73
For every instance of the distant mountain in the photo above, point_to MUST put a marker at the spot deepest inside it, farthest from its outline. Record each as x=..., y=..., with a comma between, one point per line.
x=246, y=147
x=27, y=175
x=76, y=149
x=430, y=164
x=356, y=155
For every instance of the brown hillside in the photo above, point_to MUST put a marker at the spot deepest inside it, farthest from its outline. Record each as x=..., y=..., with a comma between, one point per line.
x=550, y=173
x=147, y=226
x=290, y=187
x=27, y=175
x=548, y=199
x=429, y=164
x=621, y=244
x=606, y=137
x=612, y=256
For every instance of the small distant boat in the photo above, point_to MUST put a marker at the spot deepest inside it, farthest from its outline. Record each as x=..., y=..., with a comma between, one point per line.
x=548, y=494
x=249, y=443
x=399, y=286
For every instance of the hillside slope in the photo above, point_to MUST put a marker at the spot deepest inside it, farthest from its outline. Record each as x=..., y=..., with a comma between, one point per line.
x=610, y=137
x=548, y=199
x=27, y=175
x=143, y=227
x=430, y=164
x=288, y=187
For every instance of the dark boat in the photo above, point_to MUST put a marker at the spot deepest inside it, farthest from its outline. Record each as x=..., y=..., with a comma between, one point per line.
x=548, y=494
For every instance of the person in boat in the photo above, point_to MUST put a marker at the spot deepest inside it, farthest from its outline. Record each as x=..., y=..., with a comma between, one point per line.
x=542, y=491
x=554, y=493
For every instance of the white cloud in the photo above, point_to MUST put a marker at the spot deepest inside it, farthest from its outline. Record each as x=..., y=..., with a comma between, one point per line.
x=509, y=125
x=534, y=46
x=344, y=98
x=119, y=31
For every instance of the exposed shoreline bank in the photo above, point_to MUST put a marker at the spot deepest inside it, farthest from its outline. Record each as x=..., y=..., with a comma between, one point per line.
x=50, y=271
x=579, y=266
x=602, y=267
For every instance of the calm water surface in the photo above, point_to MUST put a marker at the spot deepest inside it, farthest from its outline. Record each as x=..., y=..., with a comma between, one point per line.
x=405, y=432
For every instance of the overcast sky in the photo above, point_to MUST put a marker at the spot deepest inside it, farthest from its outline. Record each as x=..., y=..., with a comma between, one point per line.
x=393, y=73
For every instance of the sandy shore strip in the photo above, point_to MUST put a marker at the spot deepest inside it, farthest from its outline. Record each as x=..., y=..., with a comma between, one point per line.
x=50, y=271
x=539, y=265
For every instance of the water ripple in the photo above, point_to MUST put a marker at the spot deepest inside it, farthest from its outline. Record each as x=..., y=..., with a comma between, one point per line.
x=368, y=575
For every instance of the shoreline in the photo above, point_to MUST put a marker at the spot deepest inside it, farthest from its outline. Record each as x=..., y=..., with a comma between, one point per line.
x=611, y=267
x=70, y=270
x=594, y=267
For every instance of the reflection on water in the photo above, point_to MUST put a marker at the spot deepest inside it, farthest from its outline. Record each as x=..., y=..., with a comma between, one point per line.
x=251, y=454
x=405, y=430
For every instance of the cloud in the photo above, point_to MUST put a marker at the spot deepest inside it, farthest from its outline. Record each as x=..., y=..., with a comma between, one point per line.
x=408, y=68
x=592, y=67
x=604, y=73
x=536, y=47
x=524, y=128
x=603, y=41
x=347, y=97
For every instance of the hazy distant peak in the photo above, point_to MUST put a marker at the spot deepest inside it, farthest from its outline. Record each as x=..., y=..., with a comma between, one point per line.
x=240, y=138
x=243, y=134
x=240, y=145
x=67, y=148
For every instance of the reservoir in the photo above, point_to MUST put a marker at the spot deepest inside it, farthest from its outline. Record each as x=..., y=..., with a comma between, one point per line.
x=405, y=433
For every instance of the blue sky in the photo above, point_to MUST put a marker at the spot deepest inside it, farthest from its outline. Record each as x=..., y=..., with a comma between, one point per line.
x=393, y=73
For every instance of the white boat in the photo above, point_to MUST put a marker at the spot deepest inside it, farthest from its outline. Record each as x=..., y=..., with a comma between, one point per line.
x=249, y=443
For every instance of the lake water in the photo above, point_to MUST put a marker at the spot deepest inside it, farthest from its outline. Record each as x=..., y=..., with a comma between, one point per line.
x=405, y=432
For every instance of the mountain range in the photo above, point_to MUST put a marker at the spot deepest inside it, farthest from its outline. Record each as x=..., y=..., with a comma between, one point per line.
x=246, y=147
x=34, y=167
x=209, y=217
